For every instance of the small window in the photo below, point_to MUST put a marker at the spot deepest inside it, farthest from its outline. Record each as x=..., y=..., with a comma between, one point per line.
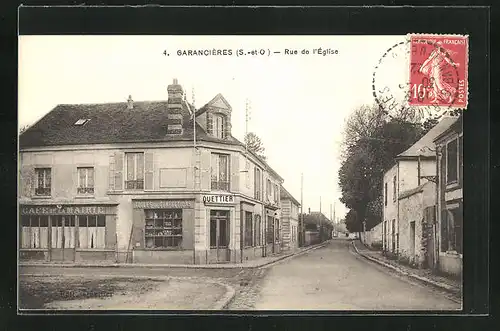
x=82, y=121
x=452, y=162
x=43, y=183
x=394, y=190
x=385, y=194
x=85, y=180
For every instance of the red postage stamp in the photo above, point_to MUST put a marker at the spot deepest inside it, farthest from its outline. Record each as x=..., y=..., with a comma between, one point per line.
x=438, y=71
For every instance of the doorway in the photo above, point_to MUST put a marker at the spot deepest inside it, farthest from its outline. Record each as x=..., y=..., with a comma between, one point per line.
x=63, y=238
x=219, y=235
x=412, y=242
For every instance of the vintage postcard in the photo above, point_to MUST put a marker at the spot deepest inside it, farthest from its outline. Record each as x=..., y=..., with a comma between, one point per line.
x=236, y=173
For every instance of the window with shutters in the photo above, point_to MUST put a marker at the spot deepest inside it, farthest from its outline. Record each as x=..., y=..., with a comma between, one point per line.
x=220, y=172
x=270, y=230
x=85, y=180
x=43, y=183
x=452, y=161
x=134, y=163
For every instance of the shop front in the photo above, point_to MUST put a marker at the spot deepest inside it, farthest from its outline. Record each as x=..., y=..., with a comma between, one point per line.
x=68, y=233
x=221, y=216
x=162, y=231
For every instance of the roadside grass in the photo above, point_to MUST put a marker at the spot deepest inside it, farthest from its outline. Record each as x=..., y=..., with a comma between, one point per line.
x=36, y=292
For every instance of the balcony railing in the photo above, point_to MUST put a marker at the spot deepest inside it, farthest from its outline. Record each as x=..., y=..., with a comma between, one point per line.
x=85, y=190
x=220, y=185
x=42, y=191
x=134, y=184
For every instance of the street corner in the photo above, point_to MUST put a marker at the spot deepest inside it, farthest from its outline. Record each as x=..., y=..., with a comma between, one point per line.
x=122, y=293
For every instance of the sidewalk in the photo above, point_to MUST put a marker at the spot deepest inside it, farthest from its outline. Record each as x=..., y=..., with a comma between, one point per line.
x=257, y=263
x=424, y=275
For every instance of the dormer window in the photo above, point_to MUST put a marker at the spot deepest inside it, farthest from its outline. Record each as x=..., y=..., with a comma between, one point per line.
x=218, y=126
x=82, y=121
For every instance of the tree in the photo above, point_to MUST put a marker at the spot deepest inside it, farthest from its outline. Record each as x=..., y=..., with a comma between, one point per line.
x=254, y=144
x=372, y=140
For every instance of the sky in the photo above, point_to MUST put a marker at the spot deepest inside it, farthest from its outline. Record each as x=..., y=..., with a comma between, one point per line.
x=298, y=102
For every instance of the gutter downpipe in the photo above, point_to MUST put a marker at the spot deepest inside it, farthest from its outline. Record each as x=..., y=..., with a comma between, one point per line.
x=438, y=211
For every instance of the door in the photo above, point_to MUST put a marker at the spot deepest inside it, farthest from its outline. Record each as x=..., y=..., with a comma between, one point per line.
x=63, y=238
x=412, y=242
x=219, y=235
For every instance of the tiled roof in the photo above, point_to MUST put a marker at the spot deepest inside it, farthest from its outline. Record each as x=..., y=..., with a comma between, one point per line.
x=425, y=146
x=110, y=123
x=284, y=194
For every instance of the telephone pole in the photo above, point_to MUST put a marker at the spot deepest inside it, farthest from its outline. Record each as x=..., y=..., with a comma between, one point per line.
x=302, y=232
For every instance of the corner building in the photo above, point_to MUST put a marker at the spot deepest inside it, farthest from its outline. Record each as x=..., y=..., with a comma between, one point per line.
x=127, y=182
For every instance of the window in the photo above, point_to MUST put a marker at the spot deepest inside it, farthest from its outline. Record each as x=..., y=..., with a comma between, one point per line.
x=248, y=230
x=43, y=181
x=452, y=161
x=34, y=231
x=257, y=179
x=92, y=231
x=257, y=231
x=163, y=228
x=276, y=193
x=270, y=230
x=63, y=233
x=452, y=230
x=394, y=190
x=85, y=180
x=82, y=121
x=135, y=171
x=219, y=229
x=393, y=235
x=220, y=172
x=385, y=194
x=218, y=126
x=268, y=188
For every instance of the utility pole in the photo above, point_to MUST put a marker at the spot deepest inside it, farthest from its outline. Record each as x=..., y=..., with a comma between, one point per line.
x=302, y=232
x=320, y=221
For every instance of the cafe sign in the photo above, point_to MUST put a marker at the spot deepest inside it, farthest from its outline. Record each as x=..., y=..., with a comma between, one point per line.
x=64, y=210
x=219, y=199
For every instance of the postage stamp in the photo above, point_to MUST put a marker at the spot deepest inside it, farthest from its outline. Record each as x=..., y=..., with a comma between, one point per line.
x=438, y=70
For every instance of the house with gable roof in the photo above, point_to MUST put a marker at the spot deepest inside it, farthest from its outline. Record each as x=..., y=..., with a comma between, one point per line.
x=144, y=181
x=409, y=197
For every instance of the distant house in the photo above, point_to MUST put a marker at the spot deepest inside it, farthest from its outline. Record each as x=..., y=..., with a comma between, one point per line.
x=289, y=220
x=409, y=197
x=450, y=198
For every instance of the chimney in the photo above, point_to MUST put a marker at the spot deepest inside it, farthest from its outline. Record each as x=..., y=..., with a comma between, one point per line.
x=130, y=102
x=174, y=108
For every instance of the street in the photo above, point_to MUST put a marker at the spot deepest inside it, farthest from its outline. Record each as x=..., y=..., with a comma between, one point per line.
x=333, y=277
x=336, y=278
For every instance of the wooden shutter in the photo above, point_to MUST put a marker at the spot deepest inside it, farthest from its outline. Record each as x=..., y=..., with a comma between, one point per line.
x=118, y=171
x=148, y=171
x=444, y=230
x=29, y=182
x=111, y=173
x=209, y=124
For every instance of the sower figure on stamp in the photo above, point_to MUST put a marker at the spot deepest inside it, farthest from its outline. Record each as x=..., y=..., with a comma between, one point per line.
x=433, y=67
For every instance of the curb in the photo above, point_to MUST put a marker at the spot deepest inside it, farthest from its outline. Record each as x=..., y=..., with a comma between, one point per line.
x=219, y=305
x=185, y=266
x=442, y=286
